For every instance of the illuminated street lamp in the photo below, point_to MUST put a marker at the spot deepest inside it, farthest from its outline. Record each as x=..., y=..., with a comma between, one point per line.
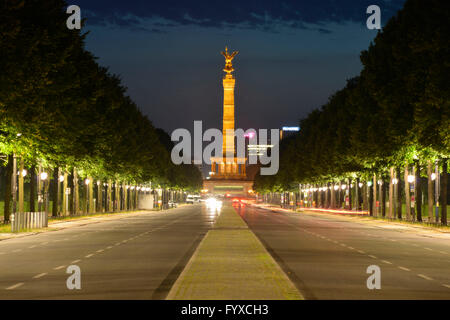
x=433, y=176
x=24, y=173
x=411, y=178
x=87, y=181
x=344, y=186
x=394, y=181
x=44, y=176
x=61, y=178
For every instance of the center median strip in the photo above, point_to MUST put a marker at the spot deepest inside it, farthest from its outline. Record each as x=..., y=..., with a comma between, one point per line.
x=231, y=264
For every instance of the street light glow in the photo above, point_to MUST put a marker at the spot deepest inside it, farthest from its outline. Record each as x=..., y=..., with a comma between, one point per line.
x=44, y=175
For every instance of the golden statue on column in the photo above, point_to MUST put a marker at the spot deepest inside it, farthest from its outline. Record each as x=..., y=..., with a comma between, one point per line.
x=228, y=166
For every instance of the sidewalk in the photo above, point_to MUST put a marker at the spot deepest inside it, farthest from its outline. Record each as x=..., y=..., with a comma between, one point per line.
x=401, y=226
x=74, y=222
x=231, y=264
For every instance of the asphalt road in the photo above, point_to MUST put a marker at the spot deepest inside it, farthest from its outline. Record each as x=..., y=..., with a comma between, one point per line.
x=136, y=257
x=327, y=257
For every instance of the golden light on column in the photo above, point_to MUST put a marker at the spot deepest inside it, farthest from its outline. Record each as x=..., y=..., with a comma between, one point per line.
x=228, y=167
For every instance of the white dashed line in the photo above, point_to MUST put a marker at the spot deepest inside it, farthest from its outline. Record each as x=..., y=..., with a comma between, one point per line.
x=424, y=276
x=40, y=275
x=89, y=255
x=385, y=261
x=428, y=249
x=362, y=252
x=443, y=252
x=75, y=261
x=404, y=269
x=15, y=286
x=59, y=267
x=101, y=250
x=109, y=247
x=372, y=256
x=446, y=285
x=351, y=248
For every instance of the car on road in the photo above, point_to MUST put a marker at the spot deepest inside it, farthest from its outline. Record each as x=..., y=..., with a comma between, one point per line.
x=192, y=198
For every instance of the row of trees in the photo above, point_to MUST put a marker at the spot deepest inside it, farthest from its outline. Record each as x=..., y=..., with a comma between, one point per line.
x=60, y=109
x=390, y=122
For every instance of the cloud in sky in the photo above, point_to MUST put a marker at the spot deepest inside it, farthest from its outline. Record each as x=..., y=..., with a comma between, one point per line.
x=261, y=15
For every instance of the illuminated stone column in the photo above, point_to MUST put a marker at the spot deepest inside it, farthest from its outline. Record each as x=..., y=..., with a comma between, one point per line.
x=228, y=114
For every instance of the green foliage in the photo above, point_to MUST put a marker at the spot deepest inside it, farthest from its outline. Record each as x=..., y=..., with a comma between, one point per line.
x=70, y=111
x=396, y=110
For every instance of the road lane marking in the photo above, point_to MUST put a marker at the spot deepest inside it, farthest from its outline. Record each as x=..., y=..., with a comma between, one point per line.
x=89, y=255
x=109, y=247
x=32, y=247
x=385, y=261
x=59, y=267
x=75, y=261
x=101, y=250
x=372, y=256
x=446, y=285
x=362, y=252
x=428, y=249
x=15, y=286
x=40, y=275
x=424, y=276
x=443, y=252
x=403, y=268
x=351, y=248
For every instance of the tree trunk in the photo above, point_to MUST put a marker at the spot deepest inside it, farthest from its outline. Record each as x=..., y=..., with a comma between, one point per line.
x=64, y=195
x=332, y=196
x=349, y=194
x=21, y=190
x=370, y=201
x=399, y=195
x=383, y=196
x=374, y=186
x=444, y=181
x=91, y=195
x=418, y=193
x=391, y=193
x=8, y=191
x=32, y=188
x=430, y=201
x=76, y=198
x=55, y=193
x=366, y=191
x=70, y=198
x=407, y=195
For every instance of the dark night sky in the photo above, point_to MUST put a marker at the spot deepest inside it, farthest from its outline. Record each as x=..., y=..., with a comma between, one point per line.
x=292, y=55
